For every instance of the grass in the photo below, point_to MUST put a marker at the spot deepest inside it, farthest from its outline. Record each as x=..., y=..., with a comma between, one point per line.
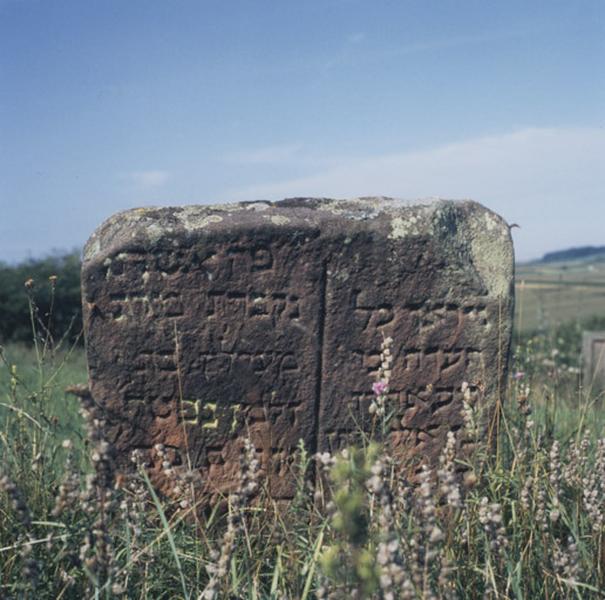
x=45, y=381
x=526, y=522
x=551, y=294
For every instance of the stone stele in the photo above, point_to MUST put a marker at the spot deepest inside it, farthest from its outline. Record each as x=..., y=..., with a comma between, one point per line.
x=208, y=324
x=593, y=361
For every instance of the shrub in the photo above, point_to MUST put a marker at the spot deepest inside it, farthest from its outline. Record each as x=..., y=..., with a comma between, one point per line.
x=57, y=307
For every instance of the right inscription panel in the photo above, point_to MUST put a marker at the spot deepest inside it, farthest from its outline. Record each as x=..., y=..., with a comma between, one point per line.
x=442, y=324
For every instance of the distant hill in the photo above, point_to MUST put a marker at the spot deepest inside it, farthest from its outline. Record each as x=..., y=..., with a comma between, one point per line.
x=580, y=253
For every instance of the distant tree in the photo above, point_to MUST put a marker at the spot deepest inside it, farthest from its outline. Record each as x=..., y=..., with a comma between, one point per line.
x=53, y=286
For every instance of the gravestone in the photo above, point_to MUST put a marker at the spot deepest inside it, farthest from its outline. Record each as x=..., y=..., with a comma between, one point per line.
x=207, y=324
x=593, y=360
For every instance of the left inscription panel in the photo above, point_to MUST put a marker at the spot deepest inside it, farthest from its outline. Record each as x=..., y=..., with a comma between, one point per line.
x=196, y=343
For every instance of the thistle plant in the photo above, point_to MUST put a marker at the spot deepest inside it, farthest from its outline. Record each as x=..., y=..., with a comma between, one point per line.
x=350, y=562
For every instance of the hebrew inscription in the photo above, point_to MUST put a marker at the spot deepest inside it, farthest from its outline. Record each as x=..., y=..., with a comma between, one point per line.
x=207, y=325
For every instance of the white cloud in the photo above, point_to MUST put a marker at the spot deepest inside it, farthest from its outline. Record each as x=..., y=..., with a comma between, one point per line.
x=349, y=54
x=458, y=41
x=550, y=181
x=149, y=179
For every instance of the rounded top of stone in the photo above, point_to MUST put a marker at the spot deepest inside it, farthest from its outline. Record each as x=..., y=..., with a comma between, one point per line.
x=396, y=219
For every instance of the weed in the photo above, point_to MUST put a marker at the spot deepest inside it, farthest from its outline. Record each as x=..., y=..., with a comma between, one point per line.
x=526, y=521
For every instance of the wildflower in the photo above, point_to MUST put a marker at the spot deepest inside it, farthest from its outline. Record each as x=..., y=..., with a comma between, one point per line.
x=446, y=472
x=593, y=489
x=436, y=535
x=69, y=490
x=248, y=485
x=526, y=493
x=470, y=479
x=541, y=509
x=490, y=516
x=380, y=387
x=566, y=560
x=325, y=459
x=554, y=478
x=426, y=546
x=388, y=554
x=31, y=568
x=469, y=414
x=518, y=375
x=99, y=496
x=16, y=499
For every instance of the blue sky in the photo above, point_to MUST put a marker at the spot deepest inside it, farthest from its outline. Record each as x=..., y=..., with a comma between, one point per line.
x=107, y=105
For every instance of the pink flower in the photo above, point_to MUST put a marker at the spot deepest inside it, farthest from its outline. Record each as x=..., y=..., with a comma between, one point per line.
x=518, y=375
x=380, y=387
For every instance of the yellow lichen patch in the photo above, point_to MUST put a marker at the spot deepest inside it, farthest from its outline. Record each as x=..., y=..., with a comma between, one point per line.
x=236, y=410
x=210, y=219
x=211, y=406
x=279, y=220
x=491, y=222
x=403, y=226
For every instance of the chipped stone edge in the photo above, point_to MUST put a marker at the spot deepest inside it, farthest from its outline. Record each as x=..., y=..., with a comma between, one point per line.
x=492, y=250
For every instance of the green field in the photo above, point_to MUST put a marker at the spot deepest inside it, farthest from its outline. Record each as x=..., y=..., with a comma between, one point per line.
x=548, y=294
x=28, y=379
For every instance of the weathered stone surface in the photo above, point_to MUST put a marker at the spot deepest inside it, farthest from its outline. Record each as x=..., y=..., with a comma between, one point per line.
x=205, y=324
x=593, y=360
